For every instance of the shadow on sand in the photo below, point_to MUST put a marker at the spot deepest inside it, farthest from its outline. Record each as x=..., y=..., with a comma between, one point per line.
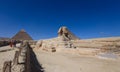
x=35, y=66
x=6, y=50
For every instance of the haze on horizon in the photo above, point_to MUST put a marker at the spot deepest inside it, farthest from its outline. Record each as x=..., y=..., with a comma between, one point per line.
x=42, y=18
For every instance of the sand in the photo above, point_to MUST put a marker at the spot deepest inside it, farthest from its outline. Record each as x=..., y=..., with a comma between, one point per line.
x=63, y=62
x=66, y=62
x=6, y=55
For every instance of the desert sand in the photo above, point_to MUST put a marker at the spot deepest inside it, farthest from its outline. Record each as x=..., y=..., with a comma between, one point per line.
x=86, y=57
x=6, y=54
x=64, y=62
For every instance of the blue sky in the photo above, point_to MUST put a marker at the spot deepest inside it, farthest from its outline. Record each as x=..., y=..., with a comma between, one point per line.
x=42, y=18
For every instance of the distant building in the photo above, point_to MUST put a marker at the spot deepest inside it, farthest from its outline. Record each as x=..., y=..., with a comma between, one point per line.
x=22, y=35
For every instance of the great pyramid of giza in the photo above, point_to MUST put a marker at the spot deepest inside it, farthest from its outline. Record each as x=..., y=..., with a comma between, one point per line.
x=22, y=35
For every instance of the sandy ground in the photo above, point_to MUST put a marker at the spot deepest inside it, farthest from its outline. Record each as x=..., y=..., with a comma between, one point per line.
x=62, y=62
x=6, y=55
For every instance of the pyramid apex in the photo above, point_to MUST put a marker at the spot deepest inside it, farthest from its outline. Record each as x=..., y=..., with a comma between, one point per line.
x=22, y=30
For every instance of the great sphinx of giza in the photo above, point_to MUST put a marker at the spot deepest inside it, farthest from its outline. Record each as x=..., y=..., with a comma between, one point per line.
x=64, y=39
x=66, y=34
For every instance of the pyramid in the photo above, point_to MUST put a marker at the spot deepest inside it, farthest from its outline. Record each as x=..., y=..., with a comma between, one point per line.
x=22, y=35
x=66, y=34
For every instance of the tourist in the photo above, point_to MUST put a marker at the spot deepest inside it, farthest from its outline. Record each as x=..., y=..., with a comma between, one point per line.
x=11, y=43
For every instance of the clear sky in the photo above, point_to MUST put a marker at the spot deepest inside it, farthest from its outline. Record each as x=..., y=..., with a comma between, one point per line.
x=42, y=18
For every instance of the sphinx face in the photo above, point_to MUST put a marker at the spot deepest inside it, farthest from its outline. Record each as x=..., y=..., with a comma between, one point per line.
x=62, y=31
x=66, y=34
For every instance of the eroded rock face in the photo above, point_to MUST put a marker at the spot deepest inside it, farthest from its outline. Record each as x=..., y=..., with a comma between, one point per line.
x=62, y=31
